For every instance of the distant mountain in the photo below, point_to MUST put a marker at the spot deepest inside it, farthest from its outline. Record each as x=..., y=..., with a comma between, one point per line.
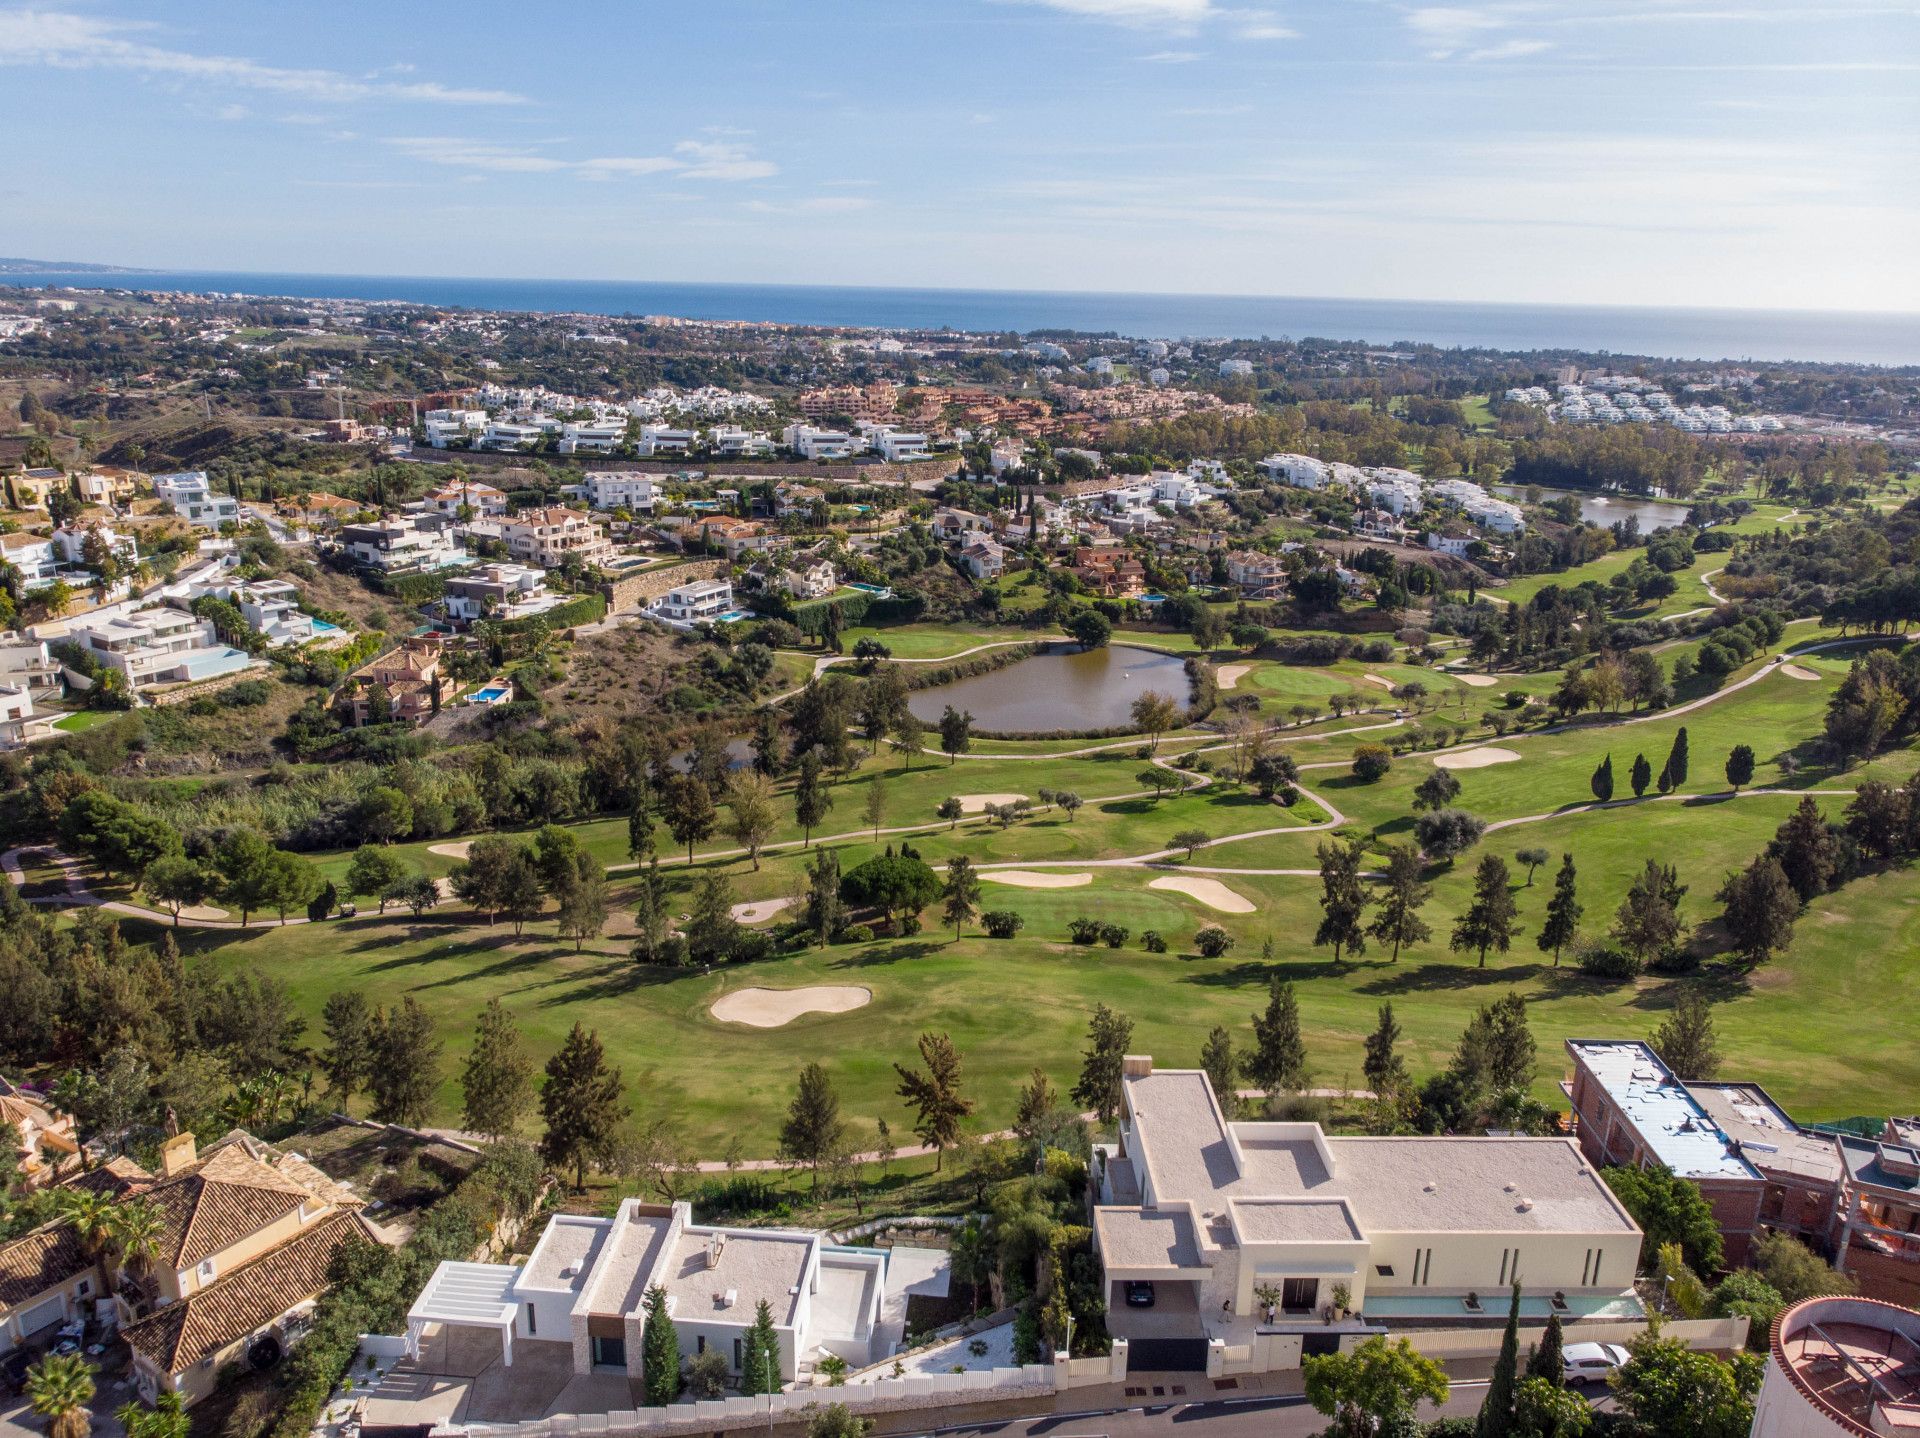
x=62, y=267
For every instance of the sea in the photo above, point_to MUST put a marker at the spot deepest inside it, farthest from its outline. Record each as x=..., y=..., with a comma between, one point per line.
x=1684, y=334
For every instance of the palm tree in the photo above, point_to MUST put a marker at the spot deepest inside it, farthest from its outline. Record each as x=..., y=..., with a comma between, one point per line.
x=137, y=1226
x=91, y=1215
x=166, y=1419
x=59, y=1389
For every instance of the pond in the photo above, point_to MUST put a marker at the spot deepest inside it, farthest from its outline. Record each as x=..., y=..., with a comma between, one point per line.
x=1062, y=688
x=1610, y=509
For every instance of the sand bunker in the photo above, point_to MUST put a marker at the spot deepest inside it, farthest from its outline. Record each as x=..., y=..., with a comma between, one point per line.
x=1797, y=671
x=1029, y=879
x=1475, y=681
x=452, y=851
x=1376, y=679
x=1211, y=892
x=759, y=911
x=977, y=803
x=1228, y=675
x=1481, y=758
x=770, y=1008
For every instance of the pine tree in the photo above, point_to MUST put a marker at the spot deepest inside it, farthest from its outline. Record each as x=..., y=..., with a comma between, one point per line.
x=825, y=908
x=1641, y=775
x=811, y=800
x=1343, y=899
x=1038, y=1099
x=497, y=1082
x=1223, y=1073
x=1278, y=1062
x=1496, y=1410
x=1563, y=912
x=1489, y=920
x=1398, y=920
x=1739, y=766
x=962, y=893
x=406, y=1064
x=1108, y=1035
x=1385, y=1070
x=348, y=1059
x=768, y=755
x=689, y=811
x=1761, y=907
x=1677, y=759
x=760, y=1371
x=660, y=1351
x=1648, y=922
x=813, y=1132
x=581, y=1103
x=1809, y=854
x=935, y=1095
x=1685, y=1041
x=640, y=820
x=1602, y=781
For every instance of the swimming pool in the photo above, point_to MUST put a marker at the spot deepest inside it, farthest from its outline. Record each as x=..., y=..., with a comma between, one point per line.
x=878, y=591
x=732, y=616
x=492, y=694
x=1621, y=1307
x=320, y=626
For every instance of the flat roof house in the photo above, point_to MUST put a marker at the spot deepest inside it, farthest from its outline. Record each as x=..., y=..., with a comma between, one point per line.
x=586, y=1281
x=499, y=591
x=400, y=545
x=619, y=489
x=704, y=599
x=190, y=494
x=1246, y=1228
x=160, y=646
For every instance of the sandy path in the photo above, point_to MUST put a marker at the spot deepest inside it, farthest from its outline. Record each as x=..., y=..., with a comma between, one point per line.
x=1027, y=879
x=458, y=850
x=1482, y=758
x=1798, y=671
x=1211, y=892
x=1229, y=675
x=977, y=803
x=1376, y=679
x=760, y=911
x=771, y=1008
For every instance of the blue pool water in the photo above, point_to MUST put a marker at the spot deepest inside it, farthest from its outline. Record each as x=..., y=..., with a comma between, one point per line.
x=320, y=626
x=492, y=694
x=733, y=616
x=878, y=590
x=1622, y=1307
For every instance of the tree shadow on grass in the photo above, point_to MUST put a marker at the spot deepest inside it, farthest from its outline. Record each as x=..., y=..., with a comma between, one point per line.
x=1256, y=974
x=1437, y=976
x=890, y=953
x=615, y=978
x=1129, y=806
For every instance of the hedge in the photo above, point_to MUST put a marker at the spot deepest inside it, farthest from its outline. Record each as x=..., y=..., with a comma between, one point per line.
x=412, y=589
x=581, y=609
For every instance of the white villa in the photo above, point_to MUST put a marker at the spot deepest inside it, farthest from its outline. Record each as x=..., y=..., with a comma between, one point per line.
x=499, y=591
x=586, y=1282
x=396, y=545
x=1245, y=1230
x=160, y=646
x=271, y=606
x=190, y=495
x=618, y=489
x=694, y=603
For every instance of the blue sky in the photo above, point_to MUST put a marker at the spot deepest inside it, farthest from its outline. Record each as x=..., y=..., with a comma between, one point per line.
x=1716, y=152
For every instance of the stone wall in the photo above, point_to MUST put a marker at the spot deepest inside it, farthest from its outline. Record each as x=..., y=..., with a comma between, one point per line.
x=636, y=589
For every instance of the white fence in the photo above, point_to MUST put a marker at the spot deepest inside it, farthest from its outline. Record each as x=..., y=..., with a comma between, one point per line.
x=1709, y=1333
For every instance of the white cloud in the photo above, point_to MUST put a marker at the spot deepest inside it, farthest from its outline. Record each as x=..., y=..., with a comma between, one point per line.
x=1510, y=50
x=690, y=160
x=81, y=42
x=233, y=112
x=1134, y=12
x=719, y=160
x=1172, y=57
x=1466, y=32
x=1260, y=25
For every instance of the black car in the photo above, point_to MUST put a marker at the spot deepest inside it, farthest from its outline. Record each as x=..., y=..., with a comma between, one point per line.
x=13, y=1371
x=1139, y=1295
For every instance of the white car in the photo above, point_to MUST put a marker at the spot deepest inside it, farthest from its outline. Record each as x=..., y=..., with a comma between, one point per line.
x=1590, y=1362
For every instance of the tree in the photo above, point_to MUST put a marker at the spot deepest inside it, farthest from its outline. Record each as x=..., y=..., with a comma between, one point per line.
x=1668, y=1210
x=1374, y=1388
x=1278, y=1062
x=58, y=1388
x=488, y=878
x=1496, y=1409
x=1445, y=834
x=166, y=1419
x=1549, y=1358
x=1386, y=1072
x=1685, y=1041
x=1740, y=766
x=1211, y=941
x=1673, y=774
x=1641, y=775
x=1371, y=762
x=1343, y=899
x=689, y=811
x=750, y=821
x=521, y=896
x=244, y=859
x=1108, y=1035
x=813, y=1132
x=1795, y=1271
x=1488, y=922
x=496, y=1083
x=1808, y=852
x=909, y=734
x=176, y=881
x=1877, y=818
x=583, y=902
x=1666, y=1387
x=874, y=806
x=950, y=809
x=1222, y=1069
x=1038, y=1100
x=582, y=1105
x=416, y=893
x=1089, y=629
x=660, y=1351
x=812, y=801
x=825, y=911
x=836, y=1420
x=385, y=814
x=1647, y=924
x=956, y=733
x=1154, y=713
x=1070, y=803
x=1745, y=1294
x=1397, y=921
x=1533, y=858
x=760, y=1362
x=1563, y=912
x=1761, y=907
x=374, y=870
x=711, y=929
x=935, y=1095
x=1190, y=840
x=349, y=1056
x=1602, y=781
x=1497, y=1048
x=962, y=892
x=893, y=883
x=1542, y=1408
x=1436, y=791
x=406, y=1064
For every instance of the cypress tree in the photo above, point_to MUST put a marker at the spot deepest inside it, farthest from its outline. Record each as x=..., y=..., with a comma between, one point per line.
x=660, y=1352
x=1602, y=781
x=1279, y=1058
x=1642, y=775
x=1676, y=769
x=761, y=1365
x=1496, y=1412
x=1549, y=1359
x=1563, y=912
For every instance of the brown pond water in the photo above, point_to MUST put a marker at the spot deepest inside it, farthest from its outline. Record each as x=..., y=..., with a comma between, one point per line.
x=1061, y=688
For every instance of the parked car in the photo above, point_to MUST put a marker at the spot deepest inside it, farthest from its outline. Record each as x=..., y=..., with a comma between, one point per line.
x=13, y=1371
x=1139, y=1295
x=1590, y=1362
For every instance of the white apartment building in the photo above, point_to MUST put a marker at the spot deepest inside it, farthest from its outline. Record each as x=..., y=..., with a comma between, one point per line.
x=18, y=722
x=896, y=446
x=1302, y=471
x=598, y=436
x=499, y=591
x=159, y=646
x=444, y=427
x=618, y=489
x=731, y=442
x=190, y=495
x=507, y=434
x=810, y=443
x=545, y=537
x=28, y=662
x=704, y=599
x=34, y=557
x=1243, y=1230
x=664, y=439
x=585, y=1285
x=399, y=545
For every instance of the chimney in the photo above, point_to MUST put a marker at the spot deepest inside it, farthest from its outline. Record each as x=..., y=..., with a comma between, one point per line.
x=716, y=1245
x=177, y=1154
x=1136, y=1065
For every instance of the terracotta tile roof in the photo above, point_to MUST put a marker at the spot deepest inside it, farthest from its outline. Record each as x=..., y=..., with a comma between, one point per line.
x=115, y=1177
x=181, y=1334
x=225, y=1198
x=43, y=1259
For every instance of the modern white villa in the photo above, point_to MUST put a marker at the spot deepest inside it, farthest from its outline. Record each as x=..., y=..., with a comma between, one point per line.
x=160, y=646
x=585, y=1286
x=1244, y=1231
x=694, y=603
x=190, y=495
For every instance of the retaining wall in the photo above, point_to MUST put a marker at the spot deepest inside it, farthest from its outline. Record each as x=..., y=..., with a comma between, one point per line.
x=635, y=589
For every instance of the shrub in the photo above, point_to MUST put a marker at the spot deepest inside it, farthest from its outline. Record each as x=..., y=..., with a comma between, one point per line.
x=857, y=934
x=1607, y=961
x=1212, y=941
x=1001, y=923
x=1084, y=930
x=1113, y=935
x=1371, y=762
x=1152, y=942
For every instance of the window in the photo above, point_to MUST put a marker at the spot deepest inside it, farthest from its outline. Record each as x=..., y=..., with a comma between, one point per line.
x=83, y=1288
x=1385, y=1270
x=533, y=1326
x=700, y=1343
x=206, y=1271
x=737, y=1356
